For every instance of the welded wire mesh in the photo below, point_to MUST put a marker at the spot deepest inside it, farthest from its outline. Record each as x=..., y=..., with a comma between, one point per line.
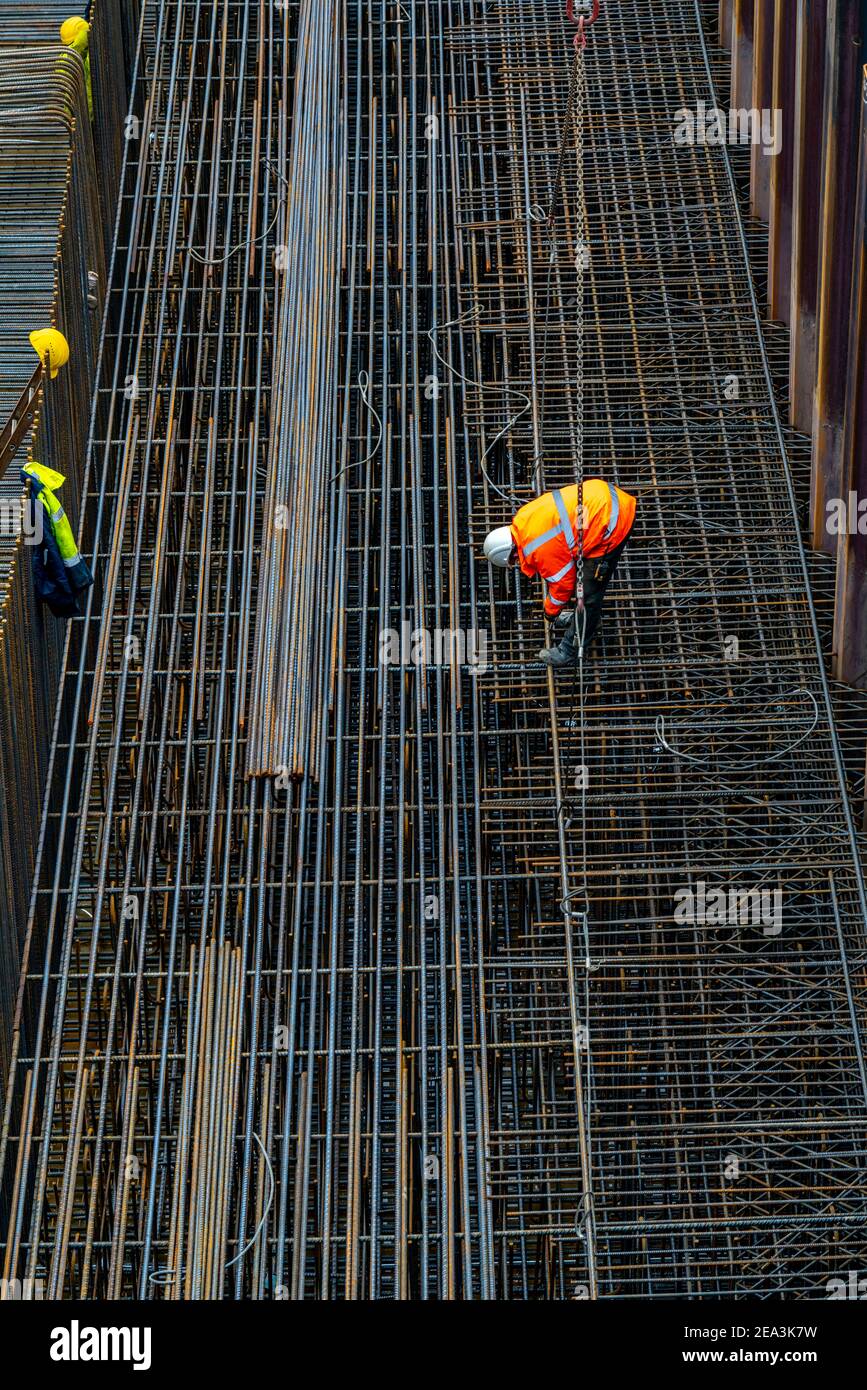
x=392, y=939
x=723, y=1053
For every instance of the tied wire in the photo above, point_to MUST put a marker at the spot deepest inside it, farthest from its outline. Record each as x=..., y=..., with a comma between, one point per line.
x=511, y=392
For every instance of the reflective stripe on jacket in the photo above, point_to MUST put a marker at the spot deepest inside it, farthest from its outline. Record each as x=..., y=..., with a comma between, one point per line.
x=546, y=534
x=60, y=573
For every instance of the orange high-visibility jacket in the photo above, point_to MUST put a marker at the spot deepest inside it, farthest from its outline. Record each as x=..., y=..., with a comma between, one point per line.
x=546, y=534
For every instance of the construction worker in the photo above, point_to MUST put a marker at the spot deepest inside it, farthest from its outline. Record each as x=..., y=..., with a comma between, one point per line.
x=75, y=33
x=60, y=573
x=544, y=540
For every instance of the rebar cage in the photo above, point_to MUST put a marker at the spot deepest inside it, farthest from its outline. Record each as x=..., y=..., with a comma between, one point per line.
x=360, y=1028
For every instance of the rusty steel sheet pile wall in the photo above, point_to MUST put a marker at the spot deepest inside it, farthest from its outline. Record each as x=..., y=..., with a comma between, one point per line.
x=806, y=64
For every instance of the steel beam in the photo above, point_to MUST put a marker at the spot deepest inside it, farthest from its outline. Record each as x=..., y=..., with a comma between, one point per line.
x=782, y=167
x=810, y=45
x=850, y=625
x=726, y=19
x=841, y=124
x=762, y=101
x=742, y=52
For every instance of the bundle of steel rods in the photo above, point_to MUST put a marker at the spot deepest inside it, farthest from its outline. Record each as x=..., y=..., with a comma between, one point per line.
x=112, y=45
x=35, y=21
x=50, y=240
x=295, y=608
x=205, y=1159
x=346, y=1031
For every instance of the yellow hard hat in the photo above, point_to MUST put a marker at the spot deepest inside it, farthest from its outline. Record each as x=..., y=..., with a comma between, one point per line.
x=74, y=33
x=50, y=343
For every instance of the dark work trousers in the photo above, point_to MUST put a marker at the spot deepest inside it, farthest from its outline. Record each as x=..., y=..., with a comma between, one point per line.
x=598, y=574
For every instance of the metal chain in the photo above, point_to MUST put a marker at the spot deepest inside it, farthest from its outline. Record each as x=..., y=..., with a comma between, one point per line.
x=582, y=265
x=575, y=82
x=582, y=257
x=547, y=219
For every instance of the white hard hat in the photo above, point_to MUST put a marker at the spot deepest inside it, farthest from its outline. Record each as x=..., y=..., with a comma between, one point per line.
x=498, y=546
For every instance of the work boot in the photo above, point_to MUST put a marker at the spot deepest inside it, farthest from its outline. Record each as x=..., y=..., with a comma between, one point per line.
x=558, y=657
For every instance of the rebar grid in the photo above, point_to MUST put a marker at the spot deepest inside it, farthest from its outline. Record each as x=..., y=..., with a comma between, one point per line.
x=340, y=1022
x=724, y=1063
